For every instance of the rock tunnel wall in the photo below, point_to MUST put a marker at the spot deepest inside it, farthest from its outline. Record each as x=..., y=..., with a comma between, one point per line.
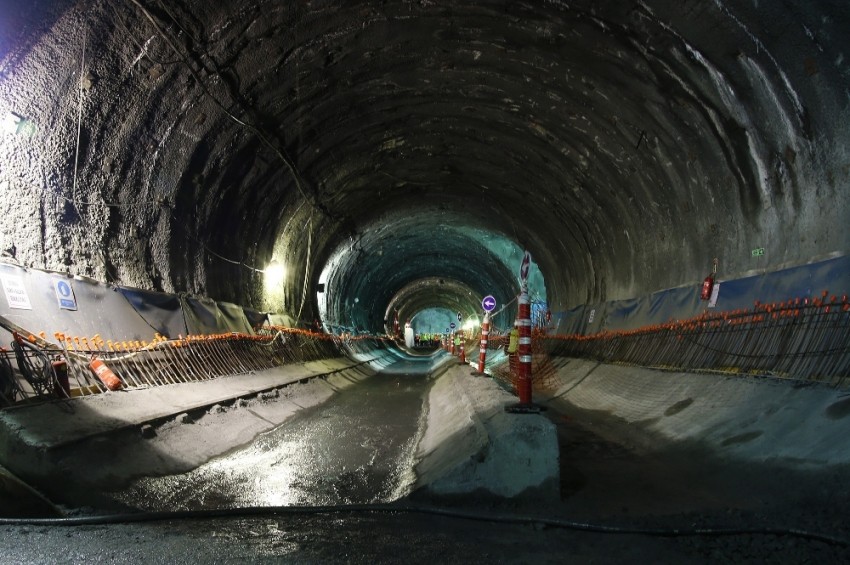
x=180, y=146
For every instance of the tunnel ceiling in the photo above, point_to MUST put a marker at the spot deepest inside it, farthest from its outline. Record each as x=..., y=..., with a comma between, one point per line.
x=183, y=145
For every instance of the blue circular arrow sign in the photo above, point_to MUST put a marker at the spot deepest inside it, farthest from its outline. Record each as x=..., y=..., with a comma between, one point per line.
x=489, y=303
x=63, y=288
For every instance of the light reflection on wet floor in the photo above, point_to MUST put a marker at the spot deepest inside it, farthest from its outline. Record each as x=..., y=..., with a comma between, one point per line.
x=356, y=448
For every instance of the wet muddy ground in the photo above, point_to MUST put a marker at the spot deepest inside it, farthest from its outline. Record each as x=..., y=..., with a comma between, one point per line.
x=613, y=474
x=356, y=449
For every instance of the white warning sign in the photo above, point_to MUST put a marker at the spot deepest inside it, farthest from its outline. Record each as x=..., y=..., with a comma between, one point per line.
x=16, y=293
x=65, y=294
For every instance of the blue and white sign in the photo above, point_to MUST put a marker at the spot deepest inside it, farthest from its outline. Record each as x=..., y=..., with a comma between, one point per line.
x=459, y=317
x=489, y=303
x=65, y=294
x=452, y=325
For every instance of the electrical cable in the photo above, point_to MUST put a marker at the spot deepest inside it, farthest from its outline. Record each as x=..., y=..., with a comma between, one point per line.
x=206, y=247
x=306, y=266
x=143, y=50
x=262, y=511
x=79, y=126
x=296, y=175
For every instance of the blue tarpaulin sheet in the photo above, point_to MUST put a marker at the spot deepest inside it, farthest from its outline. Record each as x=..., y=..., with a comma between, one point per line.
x=161, y=311
x=804, y=281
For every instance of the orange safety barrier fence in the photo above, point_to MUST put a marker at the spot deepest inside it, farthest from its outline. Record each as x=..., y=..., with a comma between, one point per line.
x=800, y=339
x=84, y=365
x=806, y=339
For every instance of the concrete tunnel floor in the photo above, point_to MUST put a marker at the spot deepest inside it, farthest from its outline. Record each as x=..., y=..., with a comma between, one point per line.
x=357, y=448
x=613, y=472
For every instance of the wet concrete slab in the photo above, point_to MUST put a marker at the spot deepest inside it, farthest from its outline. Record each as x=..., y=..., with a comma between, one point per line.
x=360, y=434
x=356, y=449
x=50, y=445
x=58, y=423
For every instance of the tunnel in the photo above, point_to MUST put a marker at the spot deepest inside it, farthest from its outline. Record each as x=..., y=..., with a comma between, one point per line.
x=340, y=169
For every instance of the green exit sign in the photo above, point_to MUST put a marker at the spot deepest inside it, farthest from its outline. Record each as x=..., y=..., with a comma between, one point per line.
x=758, y=252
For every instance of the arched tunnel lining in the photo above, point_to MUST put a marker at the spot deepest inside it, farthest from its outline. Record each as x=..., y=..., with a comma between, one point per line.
x=405, y=265
x=624, y=146
x=611, y=142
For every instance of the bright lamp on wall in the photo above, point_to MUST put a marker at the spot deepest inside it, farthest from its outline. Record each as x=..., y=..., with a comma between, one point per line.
x=274, y=272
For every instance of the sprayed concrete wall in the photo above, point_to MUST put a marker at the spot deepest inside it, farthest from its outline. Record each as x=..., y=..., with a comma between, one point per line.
x=751, y=419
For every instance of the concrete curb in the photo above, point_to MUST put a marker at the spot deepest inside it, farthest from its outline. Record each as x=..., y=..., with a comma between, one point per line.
x=471, y=445
x=62, y=423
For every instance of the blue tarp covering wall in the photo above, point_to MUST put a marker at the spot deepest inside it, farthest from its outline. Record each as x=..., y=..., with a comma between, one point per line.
x=162, y=312
x=206, y=316
x=75, y=306
x=90, y=307
x=123, y=313
x=805, y=281
x=255, y=317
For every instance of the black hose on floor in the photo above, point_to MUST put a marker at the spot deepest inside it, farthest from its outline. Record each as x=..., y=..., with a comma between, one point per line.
x=264, y=511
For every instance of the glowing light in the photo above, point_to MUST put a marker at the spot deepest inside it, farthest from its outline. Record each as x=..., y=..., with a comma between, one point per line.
x=274, y=274
x=471, y=324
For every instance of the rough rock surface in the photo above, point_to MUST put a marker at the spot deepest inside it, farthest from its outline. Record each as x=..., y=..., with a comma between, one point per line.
x=173, y=147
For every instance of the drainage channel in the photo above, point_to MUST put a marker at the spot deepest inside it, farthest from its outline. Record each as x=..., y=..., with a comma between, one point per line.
x=356, y=448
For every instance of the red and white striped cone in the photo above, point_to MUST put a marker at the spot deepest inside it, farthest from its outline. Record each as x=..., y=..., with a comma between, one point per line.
x=462, y=348
x=482, y=352
x=524, y=349
x=452, y=342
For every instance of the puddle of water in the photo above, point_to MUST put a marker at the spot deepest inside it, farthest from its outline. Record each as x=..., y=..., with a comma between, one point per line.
x=353, y=449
